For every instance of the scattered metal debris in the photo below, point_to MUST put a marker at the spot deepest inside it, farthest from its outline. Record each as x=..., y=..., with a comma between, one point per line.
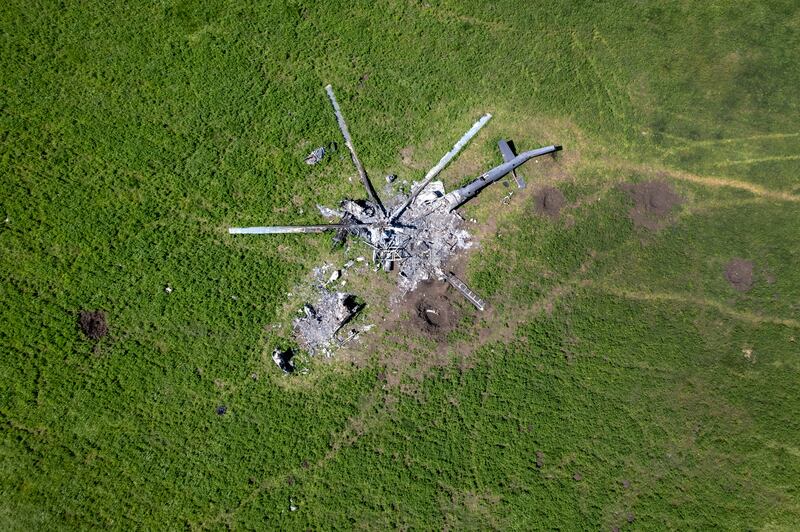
x=461, y=286
x=315, y=156
x=317, y=330
x=283, y=359
x=415, y=233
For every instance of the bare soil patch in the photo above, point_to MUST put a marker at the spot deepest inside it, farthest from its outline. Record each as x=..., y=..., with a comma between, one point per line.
x=549, y=201
x=407, y=156
x=739, y=273
x=653, y=203
x=432, y=310
x=93, y=324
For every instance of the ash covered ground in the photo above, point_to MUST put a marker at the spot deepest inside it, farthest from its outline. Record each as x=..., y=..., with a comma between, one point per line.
x=426, y=236
x=439, y=234
x=323, y=324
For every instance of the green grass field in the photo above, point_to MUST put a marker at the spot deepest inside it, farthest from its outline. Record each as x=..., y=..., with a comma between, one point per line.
x=652, y=394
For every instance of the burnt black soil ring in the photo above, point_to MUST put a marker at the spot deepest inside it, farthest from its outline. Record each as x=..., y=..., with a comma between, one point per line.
x=739, y=273
x=549, y=202
x=434, y=315
x=93, y=324
x=653, y=203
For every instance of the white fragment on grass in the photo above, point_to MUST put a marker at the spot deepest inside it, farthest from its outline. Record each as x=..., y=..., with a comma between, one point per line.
x=168, y=289
x=335, y=275
x=360, y=259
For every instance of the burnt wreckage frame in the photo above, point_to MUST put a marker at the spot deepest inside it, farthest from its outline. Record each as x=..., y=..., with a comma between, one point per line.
x=400, y=235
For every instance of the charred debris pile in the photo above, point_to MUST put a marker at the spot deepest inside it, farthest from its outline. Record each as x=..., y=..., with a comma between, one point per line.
x=414, y=234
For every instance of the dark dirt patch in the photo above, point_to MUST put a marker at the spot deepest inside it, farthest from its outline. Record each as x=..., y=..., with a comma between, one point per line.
x=539, y=459
x=93, y=323
x=433, y=311
x=739, y=273
x=653, y=203
x=549, y=202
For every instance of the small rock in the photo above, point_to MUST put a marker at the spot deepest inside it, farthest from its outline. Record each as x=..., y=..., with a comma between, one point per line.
x=390, y=178
x=577, y=477
x=335, y=275
x=626, y=484
x=221, y=410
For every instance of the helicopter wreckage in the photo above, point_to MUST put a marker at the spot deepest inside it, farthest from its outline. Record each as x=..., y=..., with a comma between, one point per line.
x=414, y=234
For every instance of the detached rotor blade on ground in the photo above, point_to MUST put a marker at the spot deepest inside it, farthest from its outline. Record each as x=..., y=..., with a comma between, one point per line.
x=349, y=143
x=284, y=229
x=433, y=172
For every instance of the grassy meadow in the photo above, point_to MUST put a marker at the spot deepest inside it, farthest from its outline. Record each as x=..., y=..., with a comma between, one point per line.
x=618, y=381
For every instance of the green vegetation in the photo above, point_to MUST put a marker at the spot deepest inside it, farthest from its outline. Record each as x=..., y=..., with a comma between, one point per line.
x=619, y=358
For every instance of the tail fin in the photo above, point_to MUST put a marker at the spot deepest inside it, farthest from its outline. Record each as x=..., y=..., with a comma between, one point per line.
x=507, y=149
